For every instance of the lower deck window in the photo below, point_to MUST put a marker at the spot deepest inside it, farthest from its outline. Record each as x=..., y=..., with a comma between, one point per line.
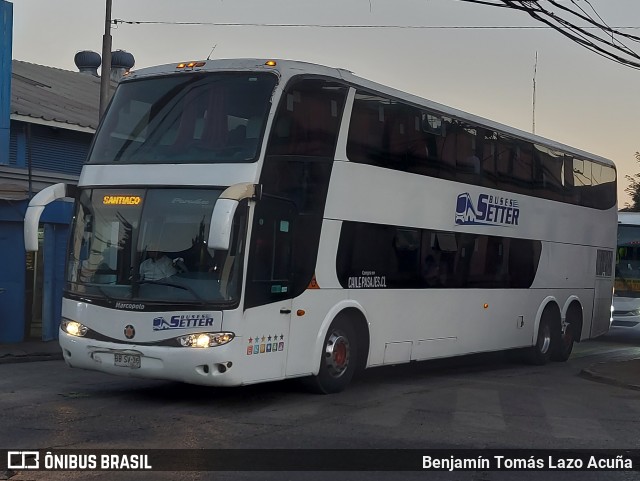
x=382, y=256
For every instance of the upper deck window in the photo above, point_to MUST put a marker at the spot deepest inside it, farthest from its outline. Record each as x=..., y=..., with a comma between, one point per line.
x=393, y=134
x=196, y=118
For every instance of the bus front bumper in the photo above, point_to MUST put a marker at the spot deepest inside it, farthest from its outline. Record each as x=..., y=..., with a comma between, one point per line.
x=212, y=366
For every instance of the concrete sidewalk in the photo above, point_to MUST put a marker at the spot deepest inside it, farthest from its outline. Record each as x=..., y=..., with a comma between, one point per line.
x=30, y=351
x=620, y=373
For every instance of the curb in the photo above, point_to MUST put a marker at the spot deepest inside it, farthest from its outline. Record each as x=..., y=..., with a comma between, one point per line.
x=35, y=357
x=593, y=375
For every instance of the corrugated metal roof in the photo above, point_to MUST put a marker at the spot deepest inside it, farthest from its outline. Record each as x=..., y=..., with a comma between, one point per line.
x=55, y=95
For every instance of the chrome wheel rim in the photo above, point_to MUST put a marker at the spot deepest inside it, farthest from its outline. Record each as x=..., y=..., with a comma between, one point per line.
x=337, y=354
x=544, y=338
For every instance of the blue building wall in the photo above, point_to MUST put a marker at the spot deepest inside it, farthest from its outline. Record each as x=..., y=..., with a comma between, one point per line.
x=6, y=31
x=52, y=149
x=56, y=219
x=12, y=281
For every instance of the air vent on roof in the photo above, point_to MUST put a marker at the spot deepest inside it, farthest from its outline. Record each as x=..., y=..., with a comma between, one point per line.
x=121, y=62
x=88, y=62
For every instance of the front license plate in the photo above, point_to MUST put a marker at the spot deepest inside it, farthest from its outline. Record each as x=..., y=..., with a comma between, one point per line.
x=127, y=360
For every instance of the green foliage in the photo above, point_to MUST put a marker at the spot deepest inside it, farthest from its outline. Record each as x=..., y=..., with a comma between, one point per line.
x=633, y=190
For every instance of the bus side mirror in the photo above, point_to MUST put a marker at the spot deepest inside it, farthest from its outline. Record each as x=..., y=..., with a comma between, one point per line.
x=224, y=210
x=34, y=211
x=220, y=227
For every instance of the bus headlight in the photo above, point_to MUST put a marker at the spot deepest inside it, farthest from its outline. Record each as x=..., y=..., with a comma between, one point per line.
x=73, y=328
x=206, y=339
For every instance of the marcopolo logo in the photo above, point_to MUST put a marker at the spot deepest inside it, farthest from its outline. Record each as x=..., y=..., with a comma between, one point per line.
x=183, y=321
x=488, y=210
x=129, y=305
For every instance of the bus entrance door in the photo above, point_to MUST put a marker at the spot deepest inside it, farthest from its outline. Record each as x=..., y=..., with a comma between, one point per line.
x=269, y=289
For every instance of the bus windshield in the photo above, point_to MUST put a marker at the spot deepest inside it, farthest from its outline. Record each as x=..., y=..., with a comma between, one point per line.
x=628, y=261
x=199, y=118
x=150, y=246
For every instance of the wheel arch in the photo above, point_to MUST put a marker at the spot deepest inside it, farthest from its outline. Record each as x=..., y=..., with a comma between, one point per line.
x=356, y=315
x=573, y=313
x=549, y=304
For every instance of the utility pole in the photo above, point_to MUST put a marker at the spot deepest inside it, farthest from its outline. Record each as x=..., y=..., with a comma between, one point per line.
x=535, y=71
x=105, y=73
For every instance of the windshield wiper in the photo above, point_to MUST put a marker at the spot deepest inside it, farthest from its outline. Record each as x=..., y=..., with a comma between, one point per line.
x=179, y=286
x=100, y=288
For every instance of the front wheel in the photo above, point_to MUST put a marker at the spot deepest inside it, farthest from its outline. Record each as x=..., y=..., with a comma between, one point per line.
x=338, y=361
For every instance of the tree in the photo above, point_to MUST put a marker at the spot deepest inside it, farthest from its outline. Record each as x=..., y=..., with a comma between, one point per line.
x=633, y=190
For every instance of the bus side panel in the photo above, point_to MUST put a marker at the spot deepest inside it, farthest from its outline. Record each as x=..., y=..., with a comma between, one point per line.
x=569, y=267
x=565, y=266
x=266, y=341
x=308, y=329
x=437, y=324
x=601, y=308
x=391, y=197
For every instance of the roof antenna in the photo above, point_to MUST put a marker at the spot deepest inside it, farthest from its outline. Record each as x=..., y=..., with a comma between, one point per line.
x=211, y=53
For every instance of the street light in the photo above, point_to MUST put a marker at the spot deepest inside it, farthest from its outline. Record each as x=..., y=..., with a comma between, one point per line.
x=106, y=61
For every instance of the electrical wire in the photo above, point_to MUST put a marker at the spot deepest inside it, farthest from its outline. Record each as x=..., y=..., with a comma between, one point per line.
x=577, y=24
x=117, y=21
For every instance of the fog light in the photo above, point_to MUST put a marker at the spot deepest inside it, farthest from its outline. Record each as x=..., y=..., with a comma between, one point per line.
x=73, y=328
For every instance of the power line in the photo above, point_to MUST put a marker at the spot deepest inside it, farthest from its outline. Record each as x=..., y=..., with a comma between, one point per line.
x=606, y=41
x=577, y=24
x=117, y=21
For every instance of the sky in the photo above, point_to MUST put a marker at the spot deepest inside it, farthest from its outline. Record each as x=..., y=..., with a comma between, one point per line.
x=581, y=99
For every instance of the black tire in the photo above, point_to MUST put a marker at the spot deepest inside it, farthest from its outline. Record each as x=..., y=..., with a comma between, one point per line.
x=540, y=352
x=338, y=361
x=564, y=345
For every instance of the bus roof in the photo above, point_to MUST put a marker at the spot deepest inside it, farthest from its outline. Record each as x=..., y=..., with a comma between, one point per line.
x=288, y=68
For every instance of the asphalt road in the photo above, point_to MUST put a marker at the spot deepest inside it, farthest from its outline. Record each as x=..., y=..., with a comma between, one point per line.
x=476, y=402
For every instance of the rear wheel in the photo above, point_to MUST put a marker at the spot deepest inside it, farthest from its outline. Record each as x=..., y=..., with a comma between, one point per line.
x=564, y=345
x=540, y=353
x=339, y=359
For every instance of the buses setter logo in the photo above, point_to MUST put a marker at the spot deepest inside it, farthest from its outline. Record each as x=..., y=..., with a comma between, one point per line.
x=183, y=321
x=488, y=210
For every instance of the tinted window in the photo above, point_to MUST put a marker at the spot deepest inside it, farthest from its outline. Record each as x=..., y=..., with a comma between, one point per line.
x=389, y=134
x=271, y=252
x=150, y=245
x=308, y=119
x=379, y=256
x=205, y=117
x=392, y=134
x=298, y=162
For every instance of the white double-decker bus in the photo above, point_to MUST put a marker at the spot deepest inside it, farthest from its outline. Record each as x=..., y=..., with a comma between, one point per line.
x=242, y=221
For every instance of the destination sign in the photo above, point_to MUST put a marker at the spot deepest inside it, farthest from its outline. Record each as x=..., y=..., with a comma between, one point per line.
x=121, y=200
